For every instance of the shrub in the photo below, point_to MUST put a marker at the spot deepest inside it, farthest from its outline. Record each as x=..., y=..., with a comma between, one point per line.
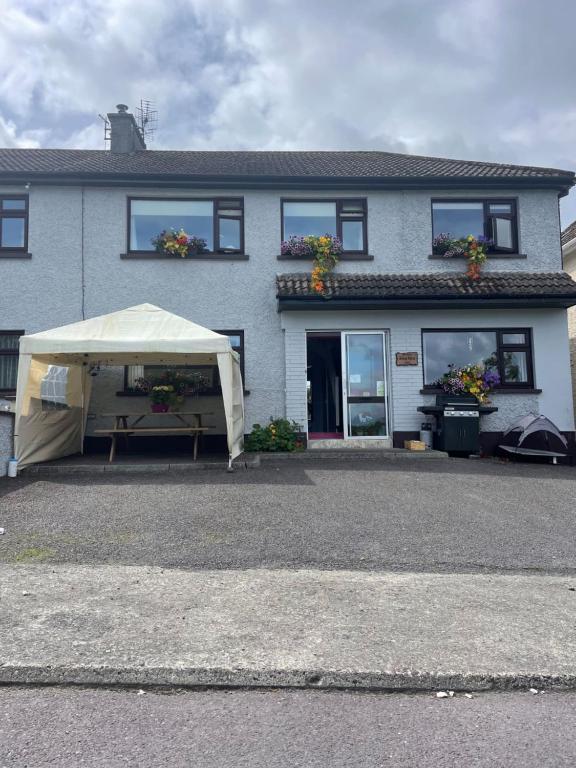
x=279, y=435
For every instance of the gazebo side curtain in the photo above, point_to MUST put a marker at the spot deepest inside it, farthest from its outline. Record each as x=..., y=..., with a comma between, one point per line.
x=42, y=435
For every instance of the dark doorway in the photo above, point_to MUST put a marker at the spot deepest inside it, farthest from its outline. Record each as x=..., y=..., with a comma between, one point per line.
x=324, y=385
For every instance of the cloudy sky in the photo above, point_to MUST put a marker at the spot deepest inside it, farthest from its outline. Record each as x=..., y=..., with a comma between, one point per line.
x=478, y=79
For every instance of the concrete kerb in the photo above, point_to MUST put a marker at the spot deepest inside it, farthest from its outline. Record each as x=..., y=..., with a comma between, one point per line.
x=380, y=455
x=140, y=468
x=245, y=461
x=218, y=678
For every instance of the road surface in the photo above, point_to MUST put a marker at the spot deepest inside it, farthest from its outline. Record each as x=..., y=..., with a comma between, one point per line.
x=284, y=729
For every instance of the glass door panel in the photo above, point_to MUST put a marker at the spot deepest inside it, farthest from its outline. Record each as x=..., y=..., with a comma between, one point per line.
x=367, y=420
x=365, y=385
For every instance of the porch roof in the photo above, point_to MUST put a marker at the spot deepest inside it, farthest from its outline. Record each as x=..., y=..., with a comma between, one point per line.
x=433, y=290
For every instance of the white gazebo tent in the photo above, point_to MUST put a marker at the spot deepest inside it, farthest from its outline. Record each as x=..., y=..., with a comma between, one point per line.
x=59, y=361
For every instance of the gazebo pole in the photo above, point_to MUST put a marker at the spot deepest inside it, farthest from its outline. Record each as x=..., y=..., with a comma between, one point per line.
x=83, y=429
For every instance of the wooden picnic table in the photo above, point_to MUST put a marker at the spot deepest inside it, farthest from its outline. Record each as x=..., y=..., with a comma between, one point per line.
x=126, y=424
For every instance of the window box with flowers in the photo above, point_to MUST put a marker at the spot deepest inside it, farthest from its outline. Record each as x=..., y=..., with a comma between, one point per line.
x=475, y=380
x=167, y=392
x=172, y=242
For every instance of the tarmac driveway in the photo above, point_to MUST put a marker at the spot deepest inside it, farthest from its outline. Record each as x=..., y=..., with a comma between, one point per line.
x=445, y=515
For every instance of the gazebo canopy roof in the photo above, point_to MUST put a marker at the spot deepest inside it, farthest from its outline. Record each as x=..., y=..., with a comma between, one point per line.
x=133, y=333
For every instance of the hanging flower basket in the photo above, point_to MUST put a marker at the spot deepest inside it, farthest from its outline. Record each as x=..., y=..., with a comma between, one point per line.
x=475, y=249
x=325, y=250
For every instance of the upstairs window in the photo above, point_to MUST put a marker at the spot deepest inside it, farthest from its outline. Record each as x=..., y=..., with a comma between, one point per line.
x=507, y=351
x=345, y=219
x=13, y=223
x=493, y=219
x=219, y=222
x=9, y=343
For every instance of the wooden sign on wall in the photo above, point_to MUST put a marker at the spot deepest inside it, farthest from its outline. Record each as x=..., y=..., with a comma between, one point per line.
x=406, y=358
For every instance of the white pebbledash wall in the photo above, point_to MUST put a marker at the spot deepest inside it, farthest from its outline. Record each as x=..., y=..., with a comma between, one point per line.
x=76, y=237
x=6, y=440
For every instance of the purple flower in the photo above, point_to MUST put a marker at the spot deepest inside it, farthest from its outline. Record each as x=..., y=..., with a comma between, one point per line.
x=490, y=379
x=442, y=243
x=296, y=246
x=452, y=382
x=485, y=241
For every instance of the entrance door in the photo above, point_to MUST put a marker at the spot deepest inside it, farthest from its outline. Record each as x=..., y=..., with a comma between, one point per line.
x=324, y=385
x=364, y=385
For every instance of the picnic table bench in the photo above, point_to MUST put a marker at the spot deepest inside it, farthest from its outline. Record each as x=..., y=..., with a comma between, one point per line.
x=122, y=426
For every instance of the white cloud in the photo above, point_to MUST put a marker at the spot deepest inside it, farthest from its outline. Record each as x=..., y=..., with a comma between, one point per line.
x=11, y=137
x=463, y=78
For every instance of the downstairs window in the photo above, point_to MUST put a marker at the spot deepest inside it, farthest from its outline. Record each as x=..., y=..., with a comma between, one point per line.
x=196, y=379
x=507, y=351
x=9, y=343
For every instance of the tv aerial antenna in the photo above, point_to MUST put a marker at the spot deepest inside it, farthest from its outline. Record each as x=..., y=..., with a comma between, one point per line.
x=147, y=119
x=107, y=129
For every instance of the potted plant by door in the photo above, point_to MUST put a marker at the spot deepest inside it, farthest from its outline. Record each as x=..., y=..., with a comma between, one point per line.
x=162, y=396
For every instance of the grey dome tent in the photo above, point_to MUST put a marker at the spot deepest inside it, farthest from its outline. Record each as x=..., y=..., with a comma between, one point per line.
x=534, y=436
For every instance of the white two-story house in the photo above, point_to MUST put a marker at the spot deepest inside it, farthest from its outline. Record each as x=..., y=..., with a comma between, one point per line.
x=76, y=231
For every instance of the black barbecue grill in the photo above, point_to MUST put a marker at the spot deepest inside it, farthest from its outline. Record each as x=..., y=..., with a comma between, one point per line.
x=457, y=423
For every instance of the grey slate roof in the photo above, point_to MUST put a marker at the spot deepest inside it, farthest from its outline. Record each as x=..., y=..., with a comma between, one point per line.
x=434, y=285
x=569, y=233
x=33, y=163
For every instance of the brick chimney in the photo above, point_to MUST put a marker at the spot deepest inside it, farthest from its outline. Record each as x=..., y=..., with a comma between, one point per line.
x=125, y=136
